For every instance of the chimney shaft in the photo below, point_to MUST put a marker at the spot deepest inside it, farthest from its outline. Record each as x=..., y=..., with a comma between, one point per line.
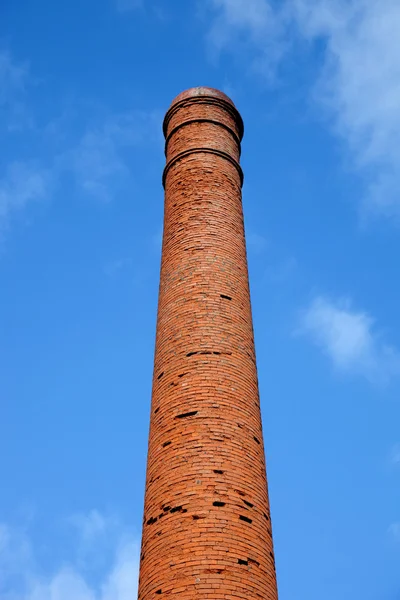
x=207, y=528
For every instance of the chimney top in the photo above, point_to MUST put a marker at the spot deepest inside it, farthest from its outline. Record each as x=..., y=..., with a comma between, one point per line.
x=195, y=92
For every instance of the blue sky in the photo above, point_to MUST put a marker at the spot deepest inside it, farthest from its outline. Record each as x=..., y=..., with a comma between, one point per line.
x=83, y=90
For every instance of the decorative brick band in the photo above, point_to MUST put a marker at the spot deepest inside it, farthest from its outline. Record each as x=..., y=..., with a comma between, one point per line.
x=210, y=101
x=218, y=123
x=185, y=153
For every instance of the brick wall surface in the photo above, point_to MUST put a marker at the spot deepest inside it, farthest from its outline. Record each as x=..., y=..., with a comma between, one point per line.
x=207, y=527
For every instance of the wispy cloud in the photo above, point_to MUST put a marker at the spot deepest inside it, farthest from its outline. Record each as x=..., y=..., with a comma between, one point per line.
x=99, y=158
x=114, y=267
x=395, y=455
x=128, y=5
x=348, y=337
x=238, y=24
x=360, y=85
x=394, y=531
x=22, y=579
x=22, y=184
x=256, y=242
x=359, y=81
x=14, y=80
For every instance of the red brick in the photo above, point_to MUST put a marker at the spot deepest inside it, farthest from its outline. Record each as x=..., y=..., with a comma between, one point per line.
x=206, y=527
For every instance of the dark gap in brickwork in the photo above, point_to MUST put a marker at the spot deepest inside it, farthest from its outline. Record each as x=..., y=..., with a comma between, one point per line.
x=178, y=509
x=218, y=471
x=246, y=519
x=217, y=503
x=249, y=504
x=160, y=375
x=182, y=374
x=226, y=297
x=151, y=521
x=156, y=411
x=166, y=508
x=242, y=561
x=209, y=352
x=188, y=414
x=256, y=440
x=197, y=517
x=159, y=592
x=254, y=562
x=214, y=571
x=165, y=444
x=239, y=492
x=266, y=516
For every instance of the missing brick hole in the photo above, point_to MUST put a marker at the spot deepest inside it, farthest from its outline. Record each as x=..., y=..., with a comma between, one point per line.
x=159, y=592
x=246, y=519
x=254, y=562
x=156, y=411
x=197, y=517
x=182, y=374
x=160, y=375
x=242, y=561
x=217, y=503
x=165, y=444
x=249, y=504
x=188, y=414
x=218, y=472
x=226, y=297
x=240, y=493
x=166, y=508
x=266, y=516
x=152, y=520
x=178, y=509
x=214, y=571
x=256, y=439
x=191, y=353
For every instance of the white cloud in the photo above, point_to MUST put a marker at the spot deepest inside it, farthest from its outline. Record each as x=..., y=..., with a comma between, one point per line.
x=21, y=184
x=255, y=242
x=128, y=5
x=349, y=339
x=359, y=81
x=22, y=579
x=394, y=530
x=360, y=85
x=238, y=23
x=14, y=79
x=395, y=455
x=98, y=161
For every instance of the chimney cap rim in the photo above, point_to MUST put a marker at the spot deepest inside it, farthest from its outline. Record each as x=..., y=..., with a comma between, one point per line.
x=200, y=91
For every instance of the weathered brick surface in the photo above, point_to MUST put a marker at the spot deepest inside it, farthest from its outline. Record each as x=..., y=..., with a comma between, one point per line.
x=207, y=528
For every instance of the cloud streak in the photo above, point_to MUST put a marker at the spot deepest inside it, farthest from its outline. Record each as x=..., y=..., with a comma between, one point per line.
x=22, y=579
x=358, y=84
x=98, y=160
x=349, y=339
x=14, y=80
x=22, y=184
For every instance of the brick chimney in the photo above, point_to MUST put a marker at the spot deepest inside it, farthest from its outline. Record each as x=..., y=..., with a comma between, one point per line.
x=207, y=525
